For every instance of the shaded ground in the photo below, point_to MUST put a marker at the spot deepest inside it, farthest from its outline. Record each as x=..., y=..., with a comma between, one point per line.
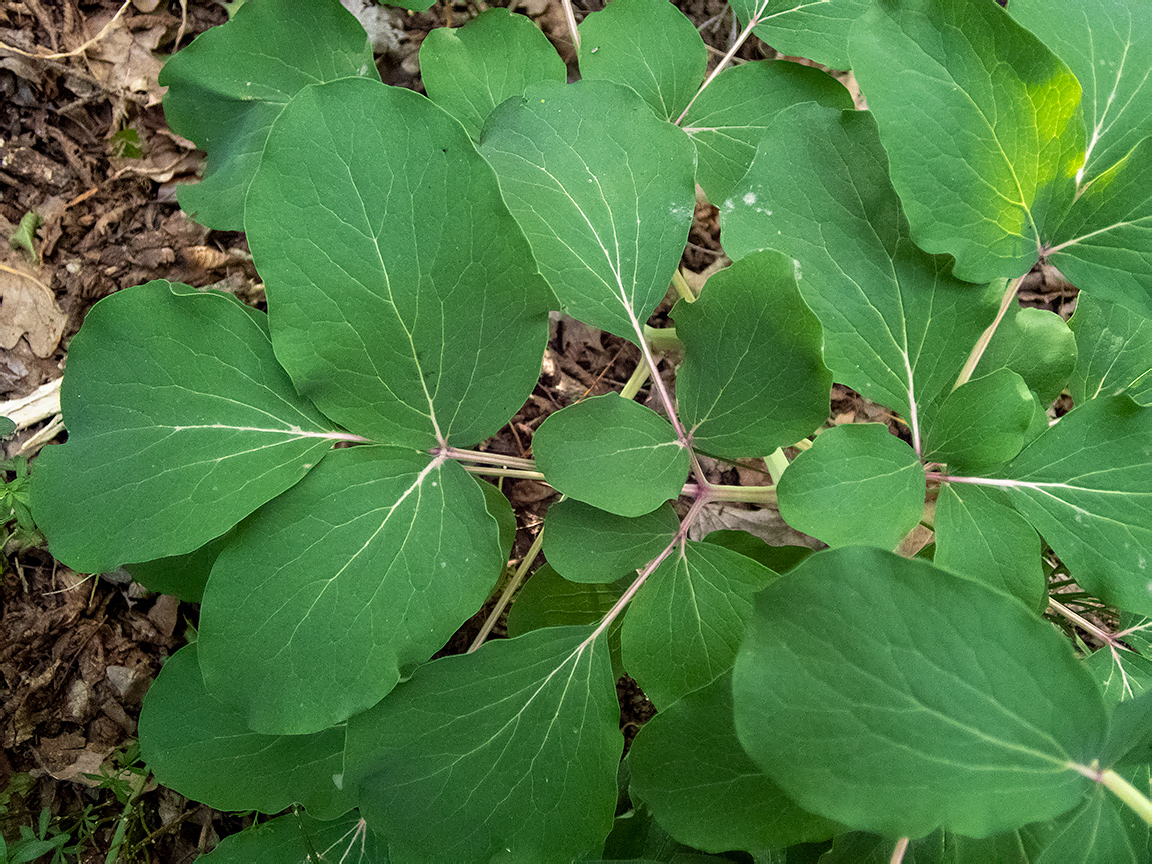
x=84, y=145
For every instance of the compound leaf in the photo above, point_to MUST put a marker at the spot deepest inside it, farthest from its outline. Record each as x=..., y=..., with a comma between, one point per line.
x=984, y=539
x=493, y=752
x=982, y=423
x=729, y=118
x=403, y=297
x=180, y=421
x=856, y=484
x=860, y=690
x=897, y=326
x=470, y=70
x=648, y=45
x=688, y=767
x=375, y=562
x=685, y=624
x=204, y=749
x=982, y=127
x=1086, y=485
x=752, y=378
x=230, y=84
x=604, y=191
x=586, y=544
x=1114, y=352
x=816, y=29
x=612, y=453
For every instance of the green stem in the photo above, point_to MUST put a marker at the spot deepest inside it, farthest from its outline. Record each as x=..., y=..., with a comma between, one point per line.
x=1128, y=793
x=663, y=340
x=488, y=458
x=682, y=287
x=734, y=494
x=776, y=463
x=740, y=40
x=639, y=377
x=509, y=590
x=514, y=473
x=986, y=337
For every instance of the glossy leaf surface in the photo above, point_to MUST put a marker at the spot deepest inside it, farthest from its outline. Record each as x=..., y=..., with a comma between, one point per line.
x=378, y=559
x=587, y=544
x=752, y=378
x=856, y=484
x=180, y=421
x=492, y=752
x=862, y=693
x=612, y=453
x=404, y=301
x=604, y=191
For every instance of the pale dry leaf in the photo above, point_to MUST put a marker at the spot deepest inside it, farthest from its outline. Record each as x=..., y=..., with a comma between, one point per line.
x=123, y=60
x=28, y=308
x=764, y=523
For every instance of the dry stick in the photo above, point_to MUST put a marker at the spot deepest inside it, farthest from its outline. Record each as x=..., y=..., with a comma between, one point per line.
x=570, y=17
x=986, y=337
x=509, y=590
x=61, y=55
x=1084, y=624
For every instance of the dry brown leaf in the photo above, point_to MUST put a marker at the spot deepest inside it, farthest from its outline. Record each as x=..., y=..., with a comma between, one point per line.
x=123, y=60
x=28, y=308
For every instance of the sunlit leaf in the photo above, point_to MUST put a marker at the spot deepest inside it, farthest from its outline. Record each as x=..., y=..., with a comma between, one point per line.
x=816, y=29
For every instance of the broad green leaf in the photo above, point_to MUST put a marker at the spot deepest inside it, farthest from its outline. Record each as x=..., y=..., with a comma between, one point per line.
x=1103, y=244
x=1086, y=485
x=860, y=847
x=295, y=837
x=1114, y=352
x=981, y=423
x=1122, y=675
x=752, y=378
x=182, y=575
x=500, y=509
x=685, y=624
x=858, y=483
x=603, y=190
x=1130, y=732
x=648, y=45
x=816, y=29
x=512, y=750
x=897, y=326
x=1108, y=46
x=403, y=299
x=204, y=750
x=470, y=70
x=984, y=539
x=861, y=691
x=180, y=422
x=780, y=559
x=230, y=84
x=587, y=544
x=689, y=768
x=1038, y=346
x=639, y=839
x=731, y=115
x=332, y=591
x=981, y=124
x=549, y=600
x=1101, y=829
x=612, y=453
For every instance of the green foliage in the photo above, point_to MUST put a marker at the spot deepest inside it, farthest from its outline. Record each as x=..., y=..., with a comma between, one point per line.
x=412, y=248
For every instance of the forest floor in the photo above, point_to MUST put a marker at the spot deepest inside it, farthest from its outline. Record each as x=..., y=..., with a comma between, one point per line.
x=84, y=146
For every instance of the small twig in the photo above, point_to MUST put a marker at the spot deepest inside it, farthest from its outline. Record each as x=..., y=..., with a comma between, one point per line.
x=509, y=590
x=570, y=17
x=1084, y=624
x=60, y=55
x=986, y=337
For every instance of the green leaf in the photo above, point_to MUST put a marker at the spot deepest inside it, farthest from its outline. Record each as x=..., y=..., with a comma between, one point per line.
x=500, y=509
x=685, y=624
x=494, y=752
x=24, y=237
x=897, y=327
x=7, y=427
x=981, y=423
x=729, y=118
x=204, y=750
x=752, y=378
x=1038, y=346
x=860, y=690
x=332, y=591
x=1114, y=352
x=180, y=422
x=1108, y=46
x=587, y=544
x=604, y=191
x=1130, y=732
x=981, y=125
x=182, y=575
x=612, y=453
x=470, y=70
x=780, y=559
x=1122, y=675
x=296, y=837
x=1086, y=485
x=648, y=45
x=803, y=28
x=856, y=484
x=230, y=84
x=549, y=600
x=407, y=316
x=1103, y=244
x=689, y=768
x=979, y=536
x=1101, y=829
